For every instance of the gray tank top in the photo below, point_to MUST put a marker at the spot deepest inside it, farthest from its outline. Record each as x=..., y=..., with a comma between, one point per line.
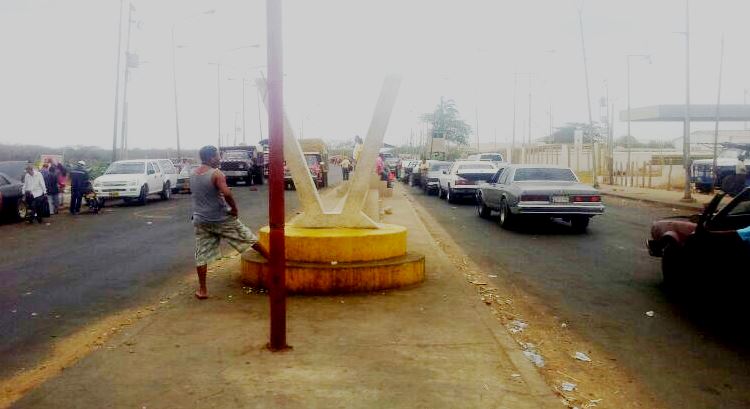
x=208, y=204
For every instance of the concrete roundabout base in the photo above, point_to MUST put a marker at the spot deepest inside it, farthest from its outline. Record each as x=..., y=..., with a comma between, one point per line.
x=342, y=260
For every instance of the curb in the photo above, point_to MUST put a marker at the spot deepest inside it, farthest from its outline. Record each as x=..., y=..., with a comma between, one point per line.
x=655, y=202
x=538, y=387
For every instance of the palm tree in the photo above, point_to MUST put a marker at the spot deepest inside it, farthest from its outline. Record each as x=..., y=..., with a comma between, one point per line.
x=446, y=122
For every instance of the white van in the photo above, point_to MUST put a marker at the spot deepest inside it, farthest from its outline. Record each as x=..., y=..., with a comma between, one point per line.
x=133, y=180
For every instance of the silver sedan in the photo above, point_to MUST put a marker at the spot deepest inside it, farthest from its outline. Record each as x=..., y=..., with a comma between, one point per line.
x=551, y=191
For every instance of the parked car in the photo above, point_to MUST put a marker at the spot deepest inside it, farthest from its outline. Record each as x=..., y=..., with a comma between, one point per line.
x=430, y=180
x=133, y=180
x=460, y=181
x=169, y=172
x=183, y=179
x=241, y=163
x=538, y=190
x=687, y=246
x=405, y=168
x=12, y=205
x=496, y=158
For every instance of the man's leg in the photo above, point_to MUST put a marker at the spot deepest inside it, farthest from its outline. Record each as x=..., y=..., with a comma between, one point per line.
x=206, y=250
x=202, y=292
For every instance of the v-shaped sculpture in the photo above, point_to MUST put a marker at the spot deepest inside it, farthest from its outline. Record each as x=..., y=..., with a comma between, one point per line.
x=348, y=213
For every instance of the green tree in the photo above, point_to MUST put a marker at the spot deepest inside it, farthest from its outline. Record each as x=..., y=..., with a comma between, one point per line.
x=446, y=122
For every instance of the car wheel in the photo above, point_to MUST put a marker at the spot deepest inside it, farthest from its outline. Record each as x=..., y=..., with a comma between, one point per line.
x=672, y=265
x=441, y=195
x=482, y=210
x=21, y=210
x=450, y=195
x=143, y=197
x=506, y=218
x=580, y=223
x=166, y=192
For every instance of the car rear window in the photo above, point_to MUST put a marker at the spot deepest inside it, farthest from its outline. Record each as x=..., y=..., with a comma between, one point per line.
x=475, y=166
x=495, y=157
x=554, y=174
x=440, y=166
x=474, y=177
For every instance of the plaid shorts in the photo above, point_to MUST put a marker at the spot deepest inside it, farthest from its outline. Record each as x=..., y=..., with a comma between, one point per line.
x=209, y=235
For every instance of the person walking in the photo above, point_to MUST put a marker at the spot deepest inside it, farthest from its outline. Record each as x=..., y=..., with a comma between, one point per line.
x=53, y=189
x=346, y=167
x=380, y=167
x=212, y=220
x=34, y=191
x=79, y=180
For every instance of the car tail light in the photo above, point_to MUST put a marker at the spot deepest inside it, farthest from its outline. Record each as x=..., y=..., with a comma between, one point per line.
x=461, y=181
x=535, y=198
x=592, y=199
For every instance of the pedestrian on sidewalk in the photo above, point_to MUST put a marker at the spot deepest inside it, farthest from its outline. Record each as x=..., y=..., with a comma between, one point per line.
x=62, y=178
x=211, y=218
x=34, y=191
x=79, y=181
x=53, y=189
x=380, y=168
x=346, y=167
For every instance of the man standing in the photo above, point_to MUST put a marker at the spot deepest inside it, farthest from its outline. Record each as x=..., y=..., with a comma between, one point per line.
x=380, y=167
x=79, y=181
x=346, y=168
x=50, y=181
x=62, y=176
x=211, y=218
x=34, y=191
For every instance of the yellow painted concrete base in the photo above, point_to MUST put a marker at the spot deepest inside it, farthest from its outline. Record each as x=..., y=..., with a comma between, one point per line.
x=327, y=278
x=341, y=245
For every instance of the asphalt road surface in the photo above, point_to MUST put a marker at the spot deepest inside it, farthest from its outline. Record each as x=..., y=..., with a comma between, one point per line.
x=58, y=278
x=689, y=354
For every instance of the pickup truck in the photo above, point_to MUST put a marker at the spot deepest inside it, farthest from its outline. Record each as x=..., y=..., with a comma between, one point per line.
x=461, y=179
x=241, y=163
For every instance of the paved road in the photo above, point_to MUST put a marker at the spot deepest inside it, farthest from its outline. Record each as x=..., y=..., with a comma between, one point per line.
x=58, y=278
x=605, y=281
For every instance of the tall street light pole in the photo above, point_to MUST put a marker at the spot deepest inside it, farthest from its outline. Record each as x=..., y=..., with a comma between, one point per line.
x=628, y=170
x=686, y=138
x=588, y=101
x=124, y=128
x=174, y=81
x=117, y=83
x=718, y=105
x=513, y=138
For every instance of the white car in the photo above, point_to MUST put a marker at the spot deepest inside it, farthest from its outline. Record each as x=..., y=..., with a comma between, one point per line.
x=170, y=172
x=462, y=178
x=496, y=158
x=133, y=180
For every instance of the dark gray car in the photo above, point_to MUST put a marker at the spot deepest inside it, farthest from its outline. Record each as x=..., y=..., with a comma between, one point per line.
x=519, y=191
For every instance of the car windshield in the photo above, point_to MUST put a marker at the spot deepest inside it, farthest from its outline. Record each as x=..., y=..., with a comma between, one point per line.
x=439, y=166
x=126, y=168
x=554, y=174
x=312, y=160
x=475, y=166
x=235, y=155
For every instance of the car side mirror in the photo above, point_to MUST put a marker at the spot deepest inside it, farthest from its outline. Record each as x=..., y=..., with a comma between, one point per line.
x=445, y=172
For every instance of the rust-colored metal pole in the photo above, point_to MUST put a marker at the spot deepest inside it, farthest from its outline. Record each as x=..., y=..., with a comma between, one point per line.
x=277, y=290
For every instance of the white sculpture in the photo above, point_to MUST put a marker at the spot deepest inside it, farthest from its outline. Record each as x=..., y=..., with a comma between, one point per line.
x=348, y=213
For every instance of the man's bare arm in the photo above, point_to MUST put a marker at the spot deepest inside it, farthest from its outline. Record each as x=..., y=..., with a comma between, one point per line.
x=220, y=181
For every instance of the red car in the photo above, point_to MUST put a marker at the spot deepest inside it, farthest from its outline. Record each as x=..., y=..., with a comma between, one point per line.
x=688, y=245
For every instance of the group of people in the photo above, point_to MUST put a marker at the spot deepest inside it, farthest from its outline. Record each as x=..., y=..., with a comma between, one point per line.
x=43, y=189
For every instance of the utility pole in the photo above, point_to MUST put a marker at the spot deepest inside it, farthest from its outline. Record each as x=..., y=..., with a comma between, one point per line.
x=244, y=134
x=513, y=140
x=124, y=129
x=529, y=110
x=686, y=139
x=718, y=105
x=476, y=115
x=218, y=100
x=117, y=83
x=176, y=108
x=588, y=101
x=744, y=104
x=236, y=114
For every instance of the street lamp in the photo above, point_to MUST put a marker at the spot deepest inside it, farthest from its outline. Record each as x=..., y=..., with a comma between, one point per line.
x=174, y=78
x=647, y=57
x=218, y=81
x=244, y=81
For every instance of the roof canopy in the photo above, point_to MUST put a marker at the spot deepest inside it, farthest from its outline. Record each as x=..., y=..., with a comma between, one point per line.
x=698, y=113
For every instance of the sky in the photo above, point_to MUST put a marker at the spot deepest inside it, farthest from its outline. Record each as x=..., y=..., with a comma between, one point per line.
x=59, y=66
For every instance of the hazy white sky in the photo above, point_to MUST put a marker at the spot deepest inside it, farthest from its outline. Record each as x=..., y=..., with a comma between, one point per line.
x=57, y=76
